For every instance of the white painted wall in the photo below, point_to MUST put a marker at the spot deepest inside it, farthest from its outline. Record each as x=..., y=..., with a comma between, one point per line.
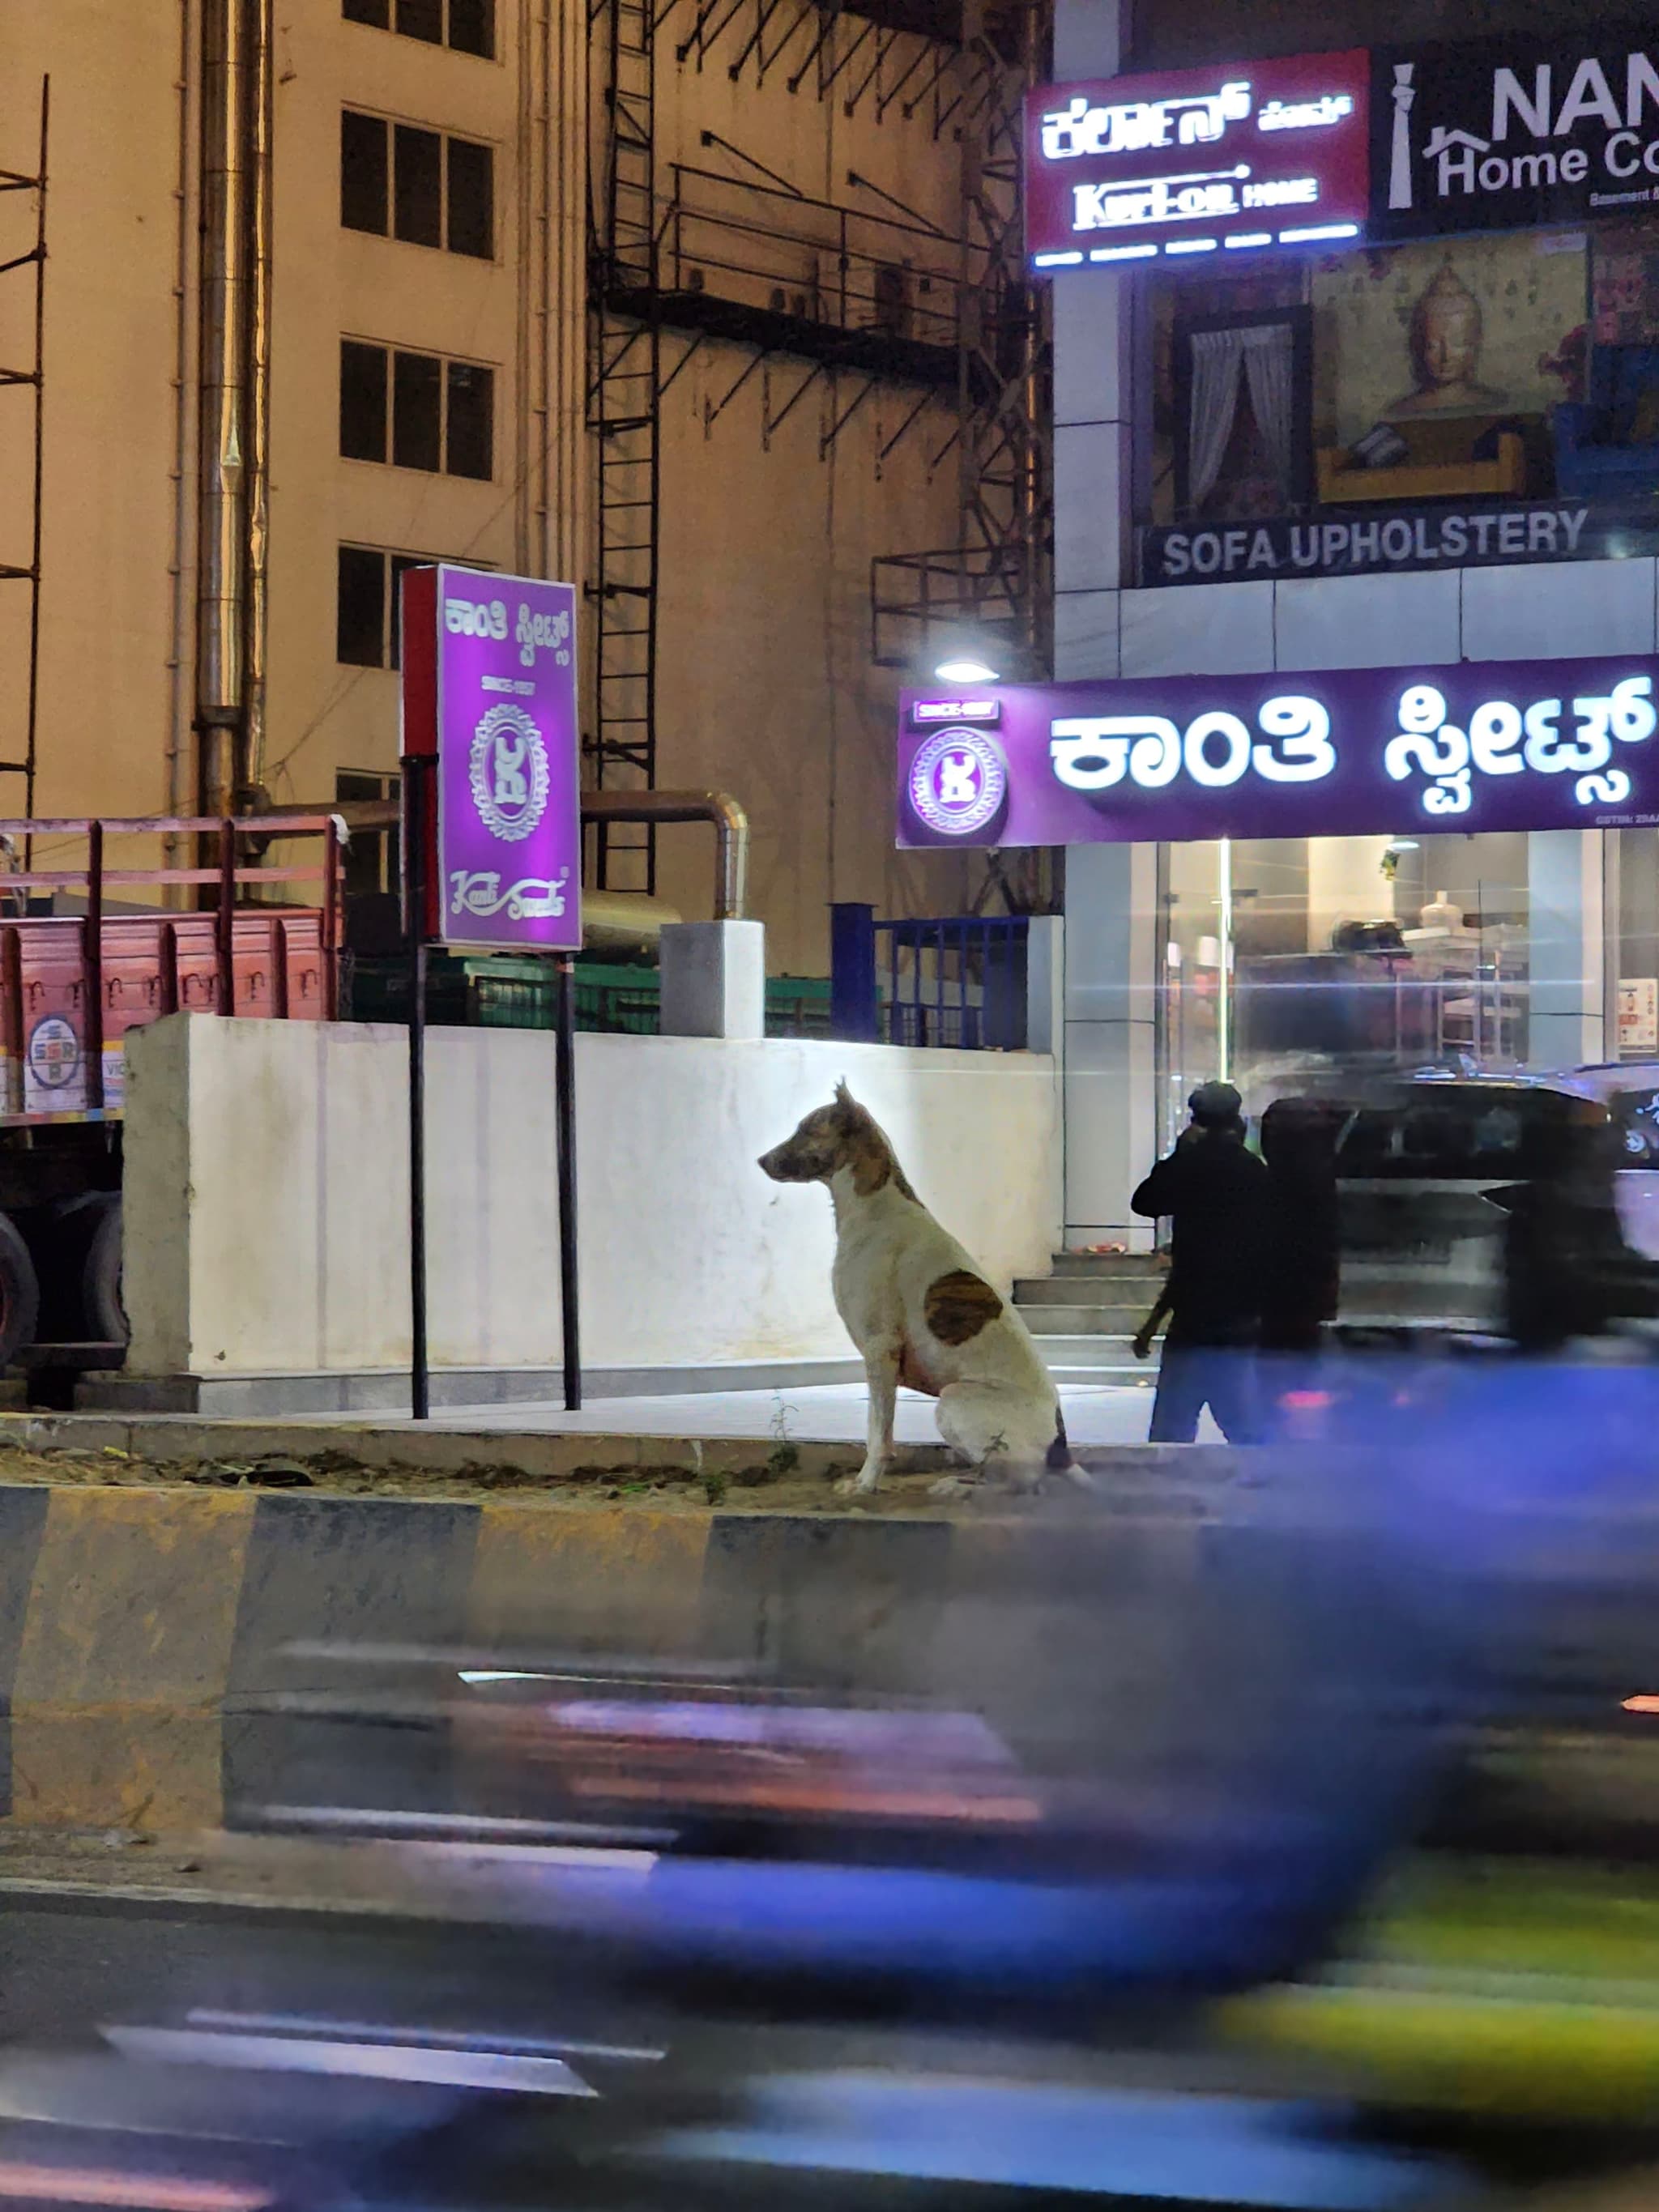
x=266, y=1187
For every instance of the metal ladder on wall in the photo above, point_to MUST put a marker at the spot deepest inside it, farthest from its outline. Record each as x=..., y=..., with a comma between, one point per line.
x=626, y=394
x=30, y=380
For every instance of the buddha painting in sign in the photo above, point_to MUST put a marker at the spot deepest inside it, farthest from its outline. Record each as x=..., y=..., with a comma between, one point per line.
x=1445, y=352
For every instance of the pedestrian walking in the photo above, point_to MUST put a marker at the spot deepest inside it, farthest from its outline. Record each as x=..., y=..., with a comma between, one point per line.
x=1302, y=1278
x=1215, y=1194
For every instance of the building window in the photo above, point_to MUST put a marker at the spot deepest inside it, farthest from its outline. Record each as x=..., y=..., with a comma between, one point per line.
x=417, y=186
x=470, y=414
x=369, y=608
x=368, y=605
x=470, y=199
x=400, y=181
x=471, y=28
x=364, y=176
x=466, y=25
x=363, y=401
x=373, y=861
x=416, y=411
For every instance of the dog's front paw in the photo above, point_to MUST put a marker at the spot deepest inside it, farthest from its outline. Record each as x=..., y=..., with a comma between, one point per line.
x=860, y=1485
x=953, y=1485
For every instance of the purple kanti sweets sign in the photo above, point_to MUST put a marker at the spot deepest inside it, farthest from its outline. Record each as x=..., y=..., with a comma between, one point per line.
x=489, y=689
x=1534, y=744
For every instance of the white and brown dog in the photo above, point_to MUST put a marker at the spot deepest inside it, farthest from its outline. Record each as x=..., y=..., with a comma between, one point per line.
x=921, y=1315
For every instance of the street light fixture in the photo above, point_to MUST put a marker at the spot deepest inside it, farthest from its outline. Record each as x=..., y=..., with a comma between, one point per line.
x=965, y=669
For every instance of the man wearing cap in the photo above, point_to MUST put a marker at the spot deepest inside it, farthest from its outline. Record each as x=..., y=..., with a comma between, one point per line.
x=1216, y=1195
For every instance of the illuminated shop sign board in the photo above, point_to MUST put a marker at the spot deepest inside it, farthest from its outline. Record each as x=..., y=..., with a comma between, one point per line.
x=1489, y=534
x=1217, y=161
x=1395, y=144
x=1542, y=744
x=490, y=692
x=1501, y=136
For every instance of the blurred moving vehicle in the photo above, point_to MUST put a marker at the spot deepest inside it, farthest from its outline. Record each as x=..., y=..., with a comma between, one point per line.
x=1500, y=1207
x=1057, y=1856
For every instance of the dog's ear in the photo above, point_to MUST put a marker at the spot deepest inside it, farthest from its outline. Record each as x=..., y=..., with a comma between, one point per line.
x=848, y=1108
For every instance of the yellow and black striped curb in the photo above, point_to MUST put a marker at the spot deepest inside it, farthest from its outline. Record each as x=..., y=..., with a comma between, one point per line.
x=143, y=1631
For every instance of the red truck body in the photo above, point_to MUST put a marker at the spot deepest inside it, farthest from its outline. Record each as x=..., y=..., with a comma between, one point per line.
x=73, y=986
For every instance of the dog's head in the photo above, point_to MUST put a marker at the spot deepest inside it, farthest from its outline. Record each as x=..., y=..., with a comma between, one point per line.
x=843, y=1135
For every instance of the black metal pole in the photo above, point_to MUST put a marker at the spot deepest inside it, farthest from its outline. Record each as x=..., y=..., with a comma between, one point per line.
x=564, y=1081
x=414, y=805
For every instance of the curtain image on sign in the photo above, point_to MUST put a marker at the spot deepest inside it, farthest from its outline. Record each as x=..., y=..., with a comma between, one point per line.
x=1243, y=414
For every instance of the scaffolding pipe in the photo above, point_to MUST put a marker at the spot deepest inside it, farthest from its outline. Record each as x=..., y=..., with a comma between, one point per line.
x=249, y=769
x=727, y=816
x=225, y=279
x=186, y=339
x=39, y=380
x=731, y=824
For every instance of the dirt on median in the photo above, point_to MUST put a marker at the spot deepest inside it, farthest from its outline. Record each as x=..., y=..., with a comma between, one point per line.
x=776, y=1482
x=700, y=1478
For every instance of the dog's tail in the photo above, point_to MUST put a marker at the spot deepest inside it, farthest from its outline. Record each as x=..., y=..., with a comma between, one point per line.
x=1059, y=1459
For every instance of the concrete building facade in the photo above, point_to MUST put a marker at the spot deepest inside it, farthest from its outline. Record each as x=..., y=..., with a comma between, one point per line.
x=430, y=396
x=1557, y=929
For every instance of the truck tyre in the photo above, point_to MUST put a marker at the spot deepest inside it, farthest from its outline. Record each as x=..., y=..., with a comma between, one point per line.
x=20, y=1293
x=101, y=1279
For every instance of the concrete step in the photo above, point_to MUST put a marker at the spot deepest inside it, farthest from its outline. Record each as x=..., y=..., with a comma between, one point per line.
x=1119, y=1322
x=1100, y=1359
x=1132, y=1377
x=1108, y=1263
x=1115, y=1292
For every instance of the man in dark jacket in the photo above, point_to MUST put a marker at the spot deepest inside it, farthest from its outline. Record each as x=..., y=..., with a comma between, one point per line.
x=1216, y=1195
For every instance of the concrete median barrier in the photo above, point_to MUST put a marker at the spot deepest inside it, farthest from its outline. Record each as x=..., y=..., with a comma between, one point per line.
x=164, y=1651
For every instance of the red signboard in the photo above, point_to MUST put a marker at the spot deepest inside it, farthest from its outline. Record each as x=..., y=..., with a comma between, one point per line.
x=1213, y=161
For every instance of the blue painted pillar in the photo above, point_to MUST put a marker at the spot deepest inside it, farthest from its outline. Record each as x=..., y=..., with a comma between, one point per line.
x=854, y=1009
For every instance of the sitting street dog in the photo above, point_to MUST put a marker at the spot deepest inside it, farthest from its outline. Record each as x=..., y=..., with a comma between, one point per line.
x=921, y=1315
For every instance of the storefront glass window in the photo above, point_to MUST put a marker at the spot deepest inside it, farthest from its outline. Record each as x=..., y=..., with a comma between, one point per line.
x=1305, y=963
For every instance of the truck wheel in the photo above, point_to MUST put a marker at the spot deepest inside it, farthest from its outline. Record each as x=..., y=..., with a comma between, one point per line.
x=20, y=1293
x=101, y=1278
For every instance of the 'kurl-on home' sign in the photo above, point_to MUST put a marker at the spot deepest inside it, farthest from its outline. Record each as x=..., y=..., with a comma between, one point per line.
x=1540, y=744
x=1388, y=144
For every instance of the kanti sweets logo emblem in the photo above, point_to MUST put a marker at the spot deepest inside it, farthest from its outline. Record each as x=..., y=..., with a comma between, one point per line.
x=958, y=781
x=510, y=773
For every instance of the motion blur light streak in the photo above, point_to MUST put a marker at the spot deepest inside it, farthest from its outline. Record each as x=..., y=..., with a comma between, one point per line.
x=1220, y=2150
x=475, y=1833
x=70, y=2185
x=472, y=1674
x=1643, y=1703
x=283, y=2054
x=359, y=2030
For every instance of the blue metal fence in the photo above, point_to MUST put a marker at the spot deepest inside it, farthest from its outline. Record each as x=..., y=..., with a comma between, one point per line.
x=956, y=980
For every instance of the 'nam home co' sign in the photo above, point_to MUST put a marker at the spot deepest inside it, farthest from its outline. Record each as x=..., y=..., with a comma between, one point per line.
x=489, y=689
x=1543, y=744
x=1512, y=135
x=1395, y=144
